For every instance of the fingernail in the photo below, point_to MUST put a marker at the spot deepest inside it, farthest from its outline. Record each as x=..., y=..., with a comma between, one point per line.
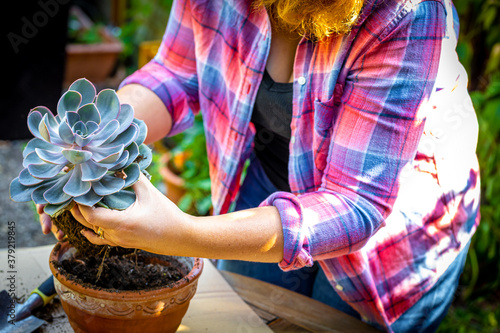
x=82, y=232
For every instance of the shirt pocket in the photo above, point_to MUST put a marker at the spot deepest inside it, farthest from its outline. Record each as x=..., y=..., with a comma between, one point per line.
x=324, y=115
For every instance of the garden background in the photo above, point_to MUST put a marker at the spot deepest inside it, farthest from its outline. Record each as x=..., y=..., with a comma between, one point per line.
x=139, y=24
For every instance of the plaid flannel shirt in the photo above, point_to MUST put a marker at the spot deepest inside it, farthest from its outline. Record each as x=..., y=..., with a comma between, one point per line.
x=380, y=195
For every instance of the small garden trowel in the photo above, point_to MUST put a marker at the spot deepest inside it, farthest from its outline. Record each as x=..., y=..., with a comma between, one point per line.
x=17, y=318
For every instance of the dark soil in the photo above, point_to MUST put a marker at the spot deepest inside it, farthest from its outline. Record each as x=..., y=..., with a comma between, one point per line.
x=135, y=271
x=71, y=228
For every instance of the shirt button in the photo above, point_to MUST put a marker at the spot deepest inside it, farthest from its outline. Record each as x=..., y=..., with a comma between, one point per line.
x=292, y=139
x=339, y=287
x=301, y=80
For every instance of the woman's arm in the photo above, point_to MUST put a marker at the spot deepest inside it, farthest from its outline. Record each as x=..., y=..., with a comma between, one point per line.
x=155, y=224
x=148, y=107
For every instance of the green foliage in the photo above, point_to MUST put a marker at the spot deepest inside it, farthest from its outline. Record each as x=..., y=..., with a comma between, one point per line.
x=78, y=35
x=146, y=20
x=195, y=171
x=476, y=317
x=479, y=40
x=482, y=273
x=475, y=309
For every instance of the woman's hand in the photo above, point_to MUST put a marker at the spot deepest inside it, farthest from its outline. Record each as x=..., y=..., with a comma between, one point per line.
x=152, y=223
x=47, y=225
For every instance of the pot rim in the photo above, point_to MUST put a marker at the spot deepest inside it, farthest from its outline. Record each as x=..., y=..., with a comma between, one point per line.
x=131, y=295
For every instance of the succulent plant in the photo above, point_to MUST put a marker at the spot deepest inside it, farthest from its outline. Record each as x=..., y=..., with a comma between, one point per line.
x=90, y=153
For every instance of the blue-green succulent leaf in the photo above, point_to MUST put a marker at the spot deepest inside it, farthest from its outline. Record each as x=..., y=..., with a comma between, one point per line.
x=51, y=157
x=52, y=122
x=146, y=156
x=108, y=185
x=124, y=138
x=133, y=151
x=55, y=194
x=39, y=143
x=82, y=141
x=91, y=171
x=72, y=118
x=79, y=128
x=19, y=192
x=133, y=173
x=75, y=186
x=32, y=158
x=44, y=130
x=45, y=171
x=91, y=127
x=69, y=101
x=52, y=210
x=106, y=155
x=76, y=156
x=88, y=112
x=34, y=119
x=143, y=131
x=108, y=104
x=109, y=132
x=120, y=200
x=66, y=133
x=37, y=195
x=121, y=163
x=26, y=179
x=85, y=88
x=89, y=199
x=126, y=116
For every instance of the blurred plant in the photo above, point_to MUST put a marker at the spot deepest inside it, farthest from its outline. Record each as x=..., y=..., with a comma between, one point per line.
x=146, y=20
x=78, y=34
x=189, y=161
x=479, y=40
x=483, y=273
x=90, y=153
x=476, y=317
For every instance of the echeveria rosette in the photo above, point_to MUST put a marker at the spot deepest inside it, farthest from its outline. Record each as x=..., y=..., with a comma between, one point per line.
x=90, y=153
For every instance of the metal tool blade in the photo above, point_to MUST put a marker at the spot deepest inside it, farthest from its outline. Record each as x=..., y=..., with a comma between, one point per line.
x=28, y=324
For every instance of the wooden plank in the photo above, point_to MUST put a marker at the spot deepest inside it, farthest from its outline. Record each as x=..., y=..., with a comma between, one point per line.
x=275, y=323
x=298, y=309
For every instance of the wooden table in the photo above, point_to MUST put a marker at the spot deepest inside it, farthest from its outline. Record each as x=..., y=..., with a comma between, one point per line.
x=287, y=311
x=224, y=302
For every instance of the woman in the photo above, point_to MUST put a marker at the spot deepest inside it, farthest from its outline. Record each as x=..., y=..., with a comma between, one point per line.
x=380, y=183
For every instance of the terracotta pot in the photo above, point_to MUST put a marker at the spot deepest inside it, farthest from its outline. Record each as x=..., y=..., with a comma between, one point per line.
x=94, y=311
x=92, y=61
x=174, y=184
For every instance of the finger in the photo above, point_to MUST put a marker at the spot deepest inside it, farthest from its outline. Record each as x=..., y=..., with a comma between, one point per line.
x=45, y=223
x=95, y=239
x=99, y=216
x=39, y=209
x=58, y=234
x=77, y=214
x=140, y=187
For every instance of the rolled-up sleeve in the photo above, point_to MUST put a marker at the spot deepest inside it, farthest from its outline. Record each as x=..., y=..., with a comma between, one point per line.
x=375, y=134
x=172, y=72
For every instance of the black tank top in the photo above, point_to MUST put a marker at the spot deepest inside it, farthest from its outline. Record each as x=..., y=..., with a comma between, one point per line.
x=272, y=115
